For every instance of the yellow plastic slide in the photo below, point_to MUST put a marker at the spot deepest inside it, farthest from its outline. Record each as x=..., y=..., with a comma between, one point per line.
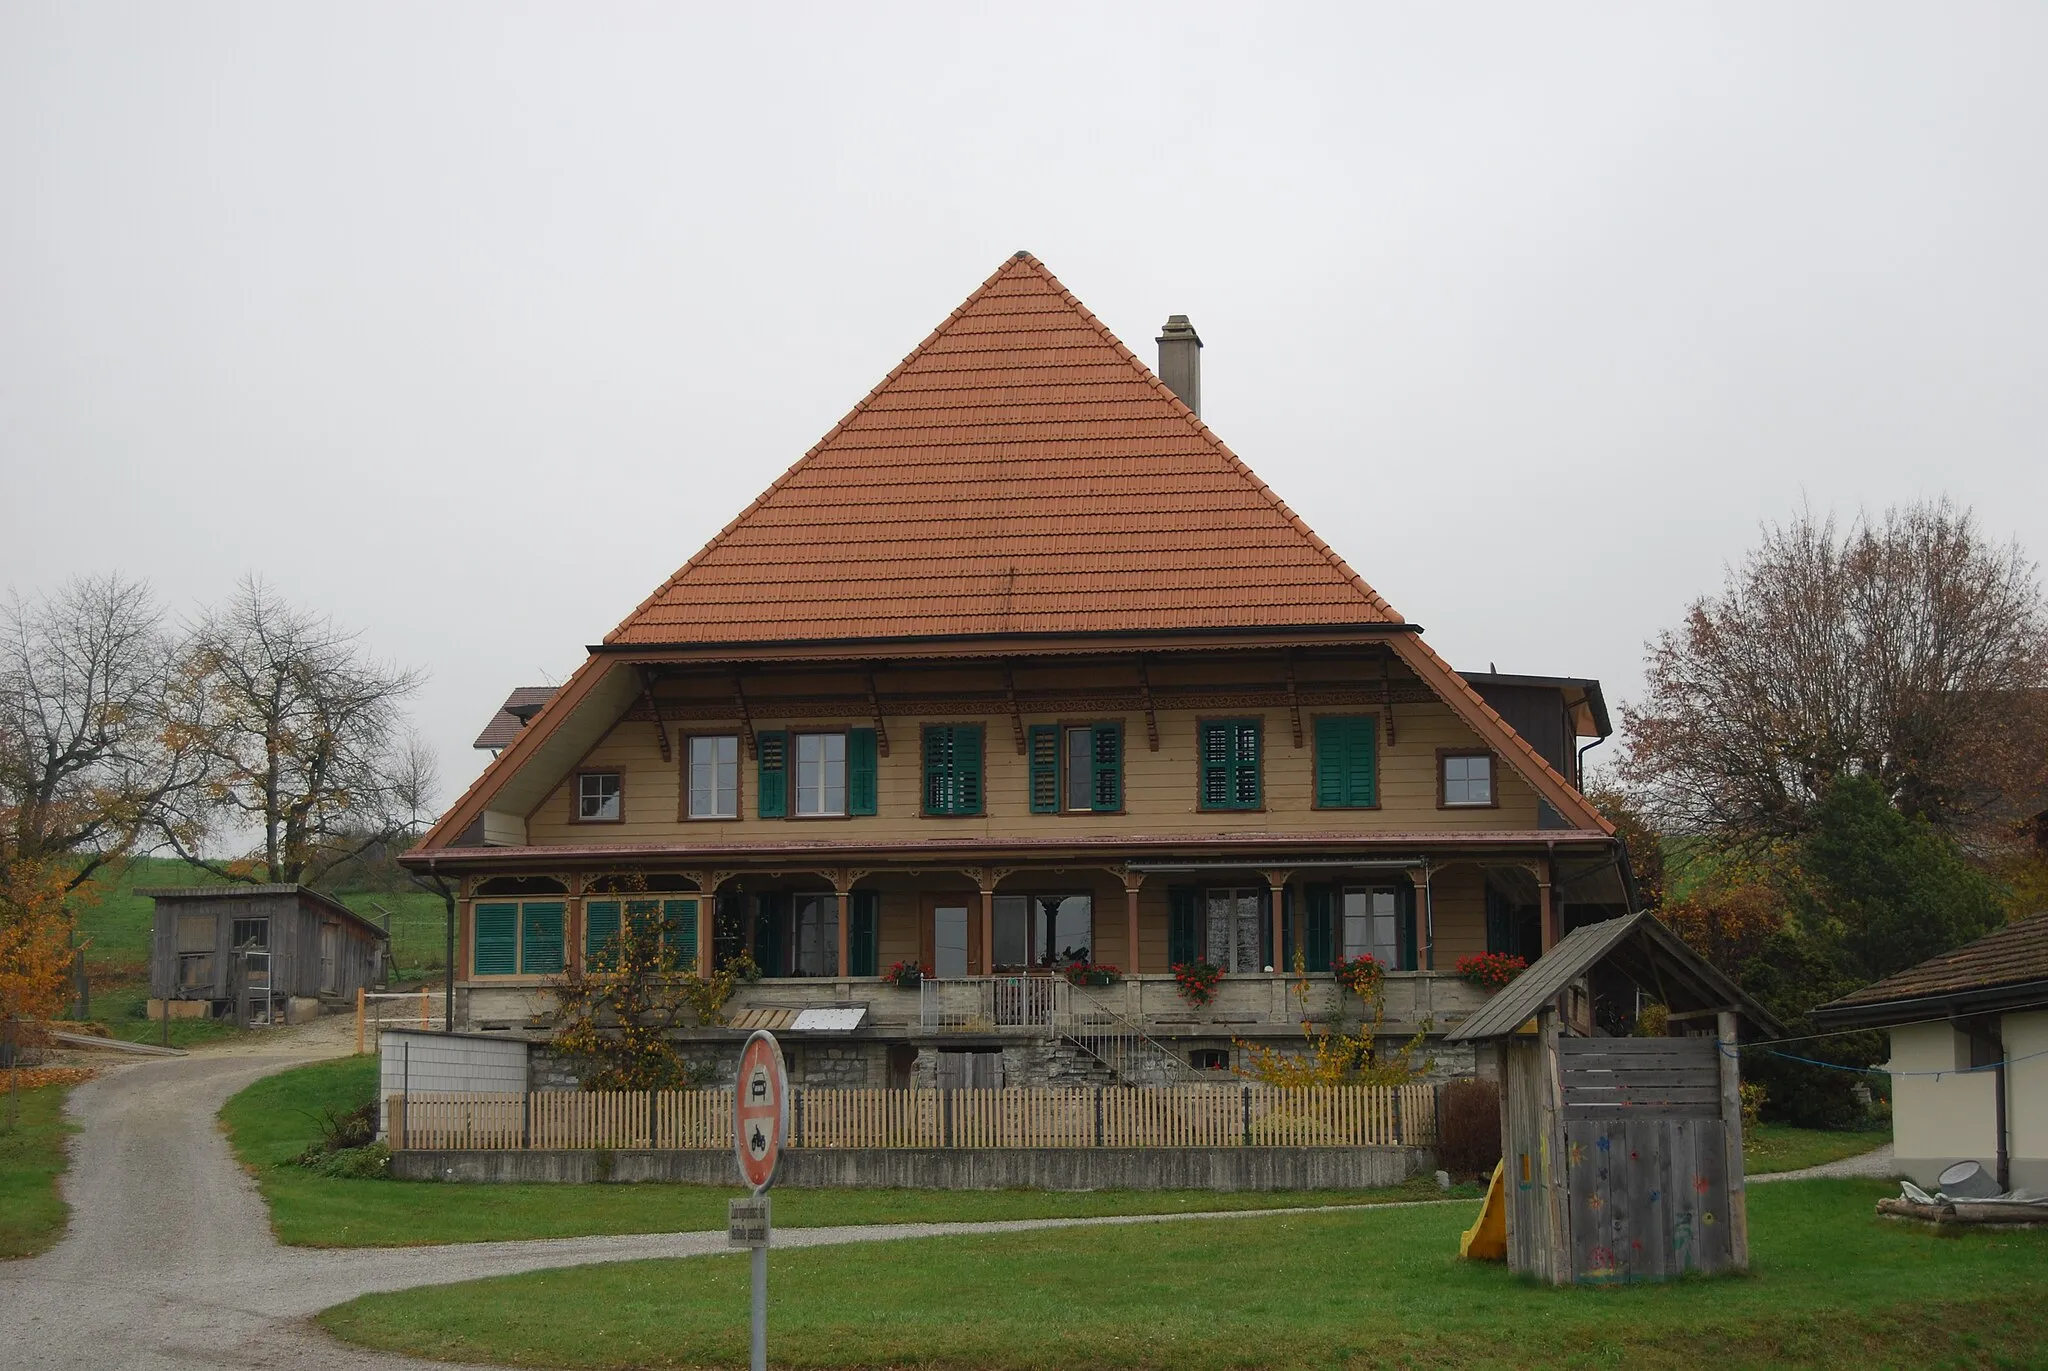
x=1487, y=1240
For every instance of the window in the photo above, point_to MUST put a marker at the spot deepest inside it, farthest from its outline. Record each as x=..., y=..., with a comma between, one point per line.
x=1347, y=761
x=816, y=951
x=715, y=777
x=1077, y=768
x=952, y=769
x=1466, y=779
x=518, y=938
x=1237, y=938
x=597, y=798
x=674, y=921
x=1043, y=930
x=1230, y=764
x=251, y=933
x=195, y=970
x=820, y=774
x=1370, y=925
x=1209, y=1058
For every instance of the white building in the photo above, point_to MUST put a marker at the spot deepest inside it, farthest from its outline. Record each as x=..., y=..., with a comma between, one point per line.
x=1969, y=1033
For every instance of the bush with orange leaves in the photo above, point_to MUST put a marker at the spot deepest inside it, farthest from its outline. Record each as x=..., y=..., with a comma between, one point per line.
x=35, y=940
x=1733, y=913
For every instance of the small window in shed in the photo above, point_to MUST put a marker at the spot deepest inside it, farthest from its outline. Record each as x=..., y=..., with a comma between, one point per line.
x=252, y=933
x=195, y=970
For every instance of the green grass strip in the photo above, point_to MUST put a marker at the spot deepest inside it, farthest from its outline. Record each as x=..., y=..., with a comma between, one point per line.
x=1834, y=1286
x=32, y=1157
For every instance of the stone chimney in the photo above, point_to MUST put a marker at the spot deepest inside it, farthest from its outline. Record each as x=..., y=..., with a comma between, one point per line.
x=1180, y=360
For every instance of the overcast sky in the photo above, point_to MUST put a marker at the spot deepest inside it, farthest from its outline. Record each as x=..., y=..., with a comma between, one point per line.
x=470, y=322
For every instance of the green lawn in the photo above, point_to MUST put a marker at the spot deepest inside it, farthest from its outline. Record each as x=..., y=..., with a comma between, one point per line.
x=276, y=1118
x=1781, y=1147
x=1834, y=1286
x=32, y=1157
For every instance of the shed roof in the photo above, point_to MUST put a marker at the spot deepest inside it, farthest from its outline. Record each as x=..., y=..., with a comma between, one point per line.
x=1021, y=471
x=243, y=892
x=1643, y=948
x=2007, y=964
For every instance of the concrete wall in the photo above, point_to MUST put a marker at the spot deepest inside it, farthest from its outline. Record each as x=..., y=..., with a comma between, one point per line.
x=433, y=1062
x=1164, y=1168
x=1938, y=1121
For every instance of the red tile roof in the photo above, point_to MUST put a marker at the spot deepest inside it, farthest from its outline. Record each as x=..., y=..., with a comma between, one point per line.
x=1020, y=472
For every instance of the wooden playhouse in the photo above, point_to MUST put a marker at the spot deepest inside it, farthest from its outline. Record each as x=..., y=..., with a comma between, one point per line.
x=1621, y=1156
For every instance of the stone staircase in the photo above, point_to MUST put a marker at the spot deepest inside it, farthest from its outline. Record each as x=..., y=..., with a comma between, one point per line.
x=1132, y=1056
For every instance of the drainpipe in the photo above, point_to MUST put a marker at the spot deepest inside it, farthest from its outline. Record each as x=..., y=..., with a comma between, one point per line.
x=1998, y=1076
x=1428, y=919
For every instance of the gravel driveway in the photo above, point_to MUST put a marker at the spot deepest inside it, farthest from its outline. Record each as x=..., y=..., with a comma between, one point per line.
x=169, y=1260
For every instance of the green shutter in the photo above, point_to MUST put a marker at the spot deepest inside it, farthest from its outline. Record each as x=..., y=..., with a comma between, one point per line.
x=1183, y=924
x=1230, y=764
x=600, y=927
x=1106, y=796
x=1045, y=768
x=497, y=940
x=1500, y=935
x=1404, y=924
x=682, y=930
x=1319, y=943
x=864, y=933
x=645, y=919
x=860, y=771
x=541, y=937
x=771, y=788
x=770, y=915
x=1347, y=762
x=952, y=769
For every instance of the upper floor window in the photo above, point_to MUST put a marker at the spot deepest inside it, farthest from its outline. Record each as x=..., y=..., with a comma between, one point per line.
x=1465, y=780
x=820, y=774
x=599, y=799
x=715, y=777
x=952, y=769
x=1230, y=763
x=815, y=775
x=1347, y=761
x=1077, y=768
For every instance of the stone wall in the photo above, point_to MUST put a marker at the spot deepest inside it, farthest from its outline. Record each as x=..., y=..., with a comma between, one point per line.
x=1137, y=1168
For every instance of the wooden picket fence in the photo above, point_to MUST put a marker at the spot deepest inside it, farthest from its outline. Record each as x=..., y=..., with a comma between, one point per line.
x=1051, y=1117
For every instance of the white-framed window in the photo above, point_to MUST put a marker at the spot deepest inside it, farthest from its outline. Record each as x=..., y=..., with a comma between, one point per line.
x=1372, y=924
x=820, y=773
x=1468, y=779
x=599, y=797
x=715, y=777
x=1042, y=930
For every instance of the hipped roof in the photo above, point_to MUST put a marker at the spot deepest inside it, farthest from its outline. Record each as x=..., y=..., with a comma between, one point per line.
x=1021, y=471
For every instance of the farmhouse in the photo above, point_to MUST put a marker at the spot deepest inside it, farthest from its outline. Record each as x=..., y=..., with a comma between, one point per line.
x=1021, y=676
x=1969, y=1064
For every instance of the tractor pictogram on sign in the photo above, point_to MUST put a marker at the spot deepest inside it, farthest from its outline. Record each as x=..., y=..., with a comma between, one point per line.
x=760, y=1110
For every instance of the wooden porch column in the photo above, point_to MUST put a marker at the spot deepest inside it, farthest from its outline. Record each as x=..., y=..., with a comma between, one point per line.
x=707, y=906
x=1425, y=919
x=1276, y=887
x=842, y=887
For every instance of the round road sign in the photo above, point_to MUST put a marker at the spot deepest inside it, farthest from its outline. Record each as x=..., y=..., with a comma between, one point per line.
x=760, y=1110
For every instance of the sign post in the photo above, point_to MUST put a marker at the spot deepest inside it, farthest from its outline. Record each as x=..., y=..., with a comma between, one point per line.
x=760, y=1123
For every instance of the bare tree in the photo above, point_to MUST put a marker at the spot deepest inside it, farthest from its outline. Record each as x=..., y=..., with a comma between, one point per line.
x=302, y=736
x=1906, y=648
x=89, y=751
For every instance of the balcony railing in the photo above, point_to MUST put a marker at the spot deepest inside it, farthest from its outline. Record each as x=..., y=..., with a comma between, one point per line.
x=987, y=1003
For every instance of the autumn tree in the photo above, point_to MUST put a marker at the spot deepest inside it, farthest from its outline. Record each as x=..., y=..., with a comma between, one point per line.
x=91, y=751
x=301, y=735
x=1907, y=648
x=35, y=942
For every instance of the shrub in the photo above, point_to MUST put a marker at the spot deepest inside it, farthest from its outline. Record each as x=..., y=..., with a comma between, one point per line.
x=1469, y=1128
x=368, y=1163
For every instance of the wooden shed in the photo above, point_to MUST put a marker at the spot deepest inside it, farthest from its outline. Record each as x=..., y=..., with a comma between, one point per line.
x=1621, y=1155
x=272, y=943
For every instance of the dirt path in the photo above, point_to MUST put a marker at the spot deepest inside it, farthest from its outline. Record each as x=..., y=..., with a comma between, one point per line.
x=169, y=1261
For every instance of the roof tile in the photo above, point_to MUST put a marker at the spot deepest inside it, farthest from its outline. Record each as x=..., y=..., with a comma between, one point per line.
x=1021, y=471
